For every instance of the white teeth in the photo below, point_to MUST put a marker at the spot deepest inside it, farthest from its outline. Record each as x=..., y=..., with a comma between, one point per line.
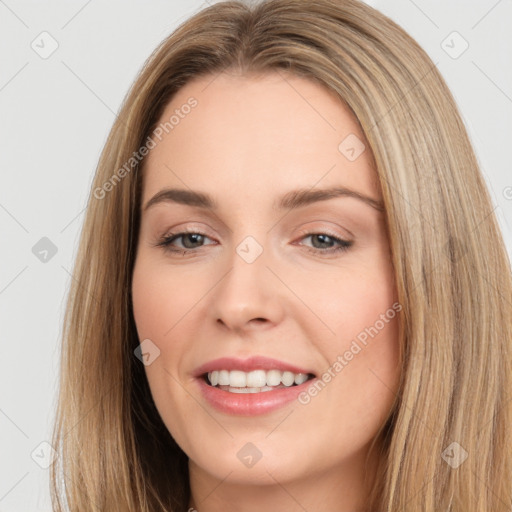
x=288, y=378
x=256, y=379
x=237, y=379
x=273, y=378
x=223, y=378
x=259, y=380
x=300, y=378
x=244, y=390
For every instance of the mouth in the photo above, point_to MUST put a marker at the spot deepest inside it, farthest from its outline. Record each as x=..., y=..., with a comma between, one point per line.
x=256, y=381
x=251, y=386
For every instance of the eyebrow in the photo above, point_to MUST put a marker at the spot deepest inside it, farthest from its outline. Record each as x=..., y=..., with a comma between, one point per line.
x=290, y=201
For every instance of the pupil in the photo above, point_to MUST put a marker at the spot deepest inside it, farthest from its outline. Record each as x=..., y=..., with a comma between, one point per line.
x=322, y=237
x=191, y=235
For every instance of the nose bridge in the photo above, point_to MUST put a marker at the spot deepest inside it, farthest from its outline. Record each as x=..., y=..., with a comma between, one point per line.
x=248, y=290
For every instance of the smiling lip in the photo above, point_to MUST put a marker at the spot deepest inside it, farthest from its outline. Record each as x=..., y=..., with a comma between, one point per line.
x=249, y=404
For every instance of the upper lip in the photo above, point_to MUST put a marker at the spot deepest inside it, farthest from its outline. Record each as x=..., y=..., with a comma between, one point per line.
x=247, y=365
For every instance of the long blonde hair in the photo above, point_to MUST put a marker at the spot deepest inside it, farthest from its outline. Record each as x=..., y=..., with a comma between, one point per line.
x=445, y=446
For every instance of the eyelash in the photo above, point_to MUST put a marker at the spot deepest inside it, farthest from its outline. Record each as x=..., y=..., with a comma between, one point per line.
x=165, y=242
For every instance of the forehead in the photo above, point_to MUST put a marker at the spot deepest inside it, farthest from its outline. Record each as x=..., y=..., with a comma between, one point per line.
x=266, y=133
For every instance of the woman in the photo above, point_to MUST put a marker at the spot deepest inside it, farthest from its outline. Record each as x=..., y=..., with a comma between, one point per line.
x=291, y=290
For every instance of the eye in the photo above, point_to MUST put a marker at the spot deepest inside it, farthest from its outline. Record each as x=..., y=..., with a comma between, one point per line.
x=190, y=241
x=326, y=242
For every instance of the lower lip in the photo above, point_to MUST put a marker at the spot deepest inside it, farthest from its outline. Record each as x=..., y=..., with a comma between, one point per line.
x=250, y=404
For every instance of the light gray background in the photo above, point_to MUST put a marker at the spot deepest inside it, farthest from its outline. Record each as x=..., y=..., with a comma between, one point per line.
x=55, y=114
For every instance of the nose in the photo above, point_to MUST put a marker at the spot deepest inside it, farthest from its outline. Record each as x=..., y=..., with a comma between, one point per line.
x=249, y=296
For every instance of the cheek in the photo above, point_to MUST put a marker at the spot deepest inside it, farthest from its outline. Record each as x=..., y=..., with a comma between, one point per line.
x=160, y=299
x=354, y=299
x=165, y=302
x=361, y=350
x=157, y=309
x=158, y=306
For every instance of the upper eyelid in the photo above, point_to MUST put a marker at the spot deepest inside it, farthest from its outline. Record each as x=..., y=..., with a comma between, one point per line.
x=314, y=230
x=199, y=231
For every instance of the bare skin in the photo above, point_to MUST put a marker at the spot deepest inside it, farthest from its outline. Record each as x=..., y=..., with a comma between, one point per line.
x=249, y=141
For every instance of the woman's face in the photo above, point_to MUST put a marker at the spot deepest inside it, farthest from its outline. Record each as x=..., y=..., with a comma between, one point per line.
x=302, y=278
